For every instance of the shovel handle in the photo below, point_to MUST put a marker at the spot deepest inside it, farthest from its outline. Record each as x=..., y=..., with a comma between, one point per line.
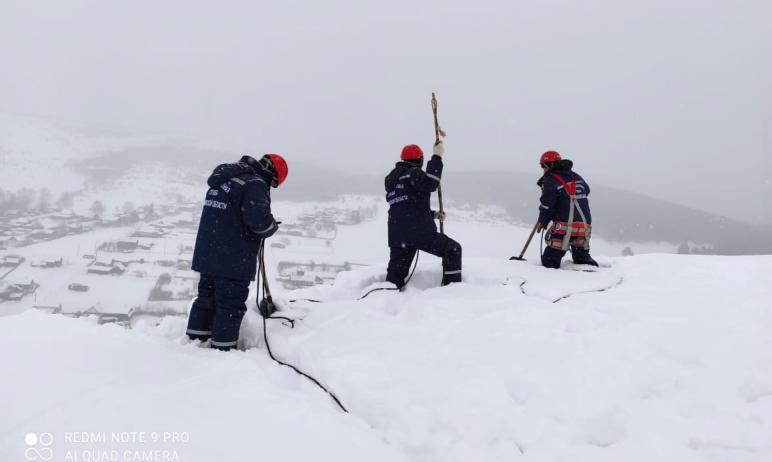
x=528, y=242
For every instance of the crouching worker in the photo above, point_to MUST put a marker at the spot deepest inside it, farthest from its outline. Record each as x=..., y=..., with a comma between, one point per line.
x=411, y=219
x=564, y=203
x=236, y=218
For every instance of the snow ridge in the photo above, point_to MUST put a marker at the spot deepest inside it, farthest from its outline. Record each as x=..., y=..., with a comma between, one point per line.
x=674, y=364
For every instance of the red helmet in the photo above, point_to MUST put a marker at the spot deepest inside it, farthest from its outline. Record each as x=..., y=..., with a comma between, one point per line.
x=280, y=165
x=412, y=152
x=549, y=156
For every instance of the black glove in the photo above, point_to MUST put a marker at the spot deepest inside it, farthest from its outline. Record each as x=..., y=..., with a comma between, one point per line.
x=271, y=232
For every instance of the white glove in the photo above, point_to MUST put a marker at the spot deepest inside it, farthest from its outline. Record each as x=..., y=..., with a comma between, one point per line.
x=439, y=149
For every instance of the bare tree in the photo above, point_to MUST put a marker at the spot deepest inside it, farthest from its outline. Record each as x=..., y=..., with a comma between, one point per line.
x=97, y=209
x=44, y=199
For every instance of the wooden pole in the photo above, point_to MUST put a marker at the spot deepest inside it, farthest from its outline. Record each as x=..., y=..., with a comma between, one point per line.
x=528, y=242
x=437, y=132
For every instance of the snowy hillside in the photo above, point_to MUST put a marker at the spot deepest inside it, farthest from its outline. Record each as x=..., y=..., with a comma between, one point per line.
x=48, y=167
x=652, y=357
x=655, y=357
x=36, y=153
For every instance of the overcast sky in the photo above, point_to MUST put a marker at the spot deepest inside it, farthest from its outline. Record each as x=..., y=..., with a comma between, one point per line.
x=668, y=98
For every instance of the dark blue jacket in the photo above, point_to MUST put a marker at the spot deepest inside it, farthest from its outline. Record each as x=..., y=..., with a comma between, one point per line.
x=554, y=202
x=408, y=190
x=235, y=218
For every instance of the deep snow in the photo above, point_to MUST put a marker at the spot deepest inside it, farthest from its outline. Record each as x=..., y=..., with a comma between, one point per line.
x=672, y=363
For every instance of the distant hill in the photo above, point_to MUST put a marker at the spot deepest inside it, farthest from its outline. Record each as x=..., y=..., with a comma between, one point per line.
x=618, y=215
x=61, y=160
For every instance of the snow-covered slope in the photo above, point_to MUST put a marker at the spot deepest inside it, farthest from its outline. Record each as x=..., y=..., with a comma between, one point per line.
x=35, y=153
x=673, y=361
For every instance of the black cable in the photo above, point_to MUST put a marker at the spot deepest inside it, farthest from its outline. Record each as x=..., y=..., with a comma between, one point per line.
x=410, y=276
x=376, y=290
x=289, y=322
x=292, y=322
x=604, y=289
x=267, y=296
x=312, y=300
x=270, y=353
x=616, y=284
x=415, y=264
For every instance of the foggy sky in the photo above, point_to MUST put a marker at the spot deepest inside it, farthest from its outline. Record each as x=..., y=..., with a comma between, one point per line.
x=668, y=98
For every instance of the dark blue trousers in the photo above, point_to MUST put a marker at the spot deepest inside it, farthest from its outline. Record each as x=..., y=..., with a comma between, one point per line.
x=218, y=310
x=436, y=244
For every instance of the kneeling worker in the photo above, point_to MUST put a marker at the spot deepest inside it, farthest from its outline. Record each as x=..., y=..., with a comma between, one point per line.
x=564, y=202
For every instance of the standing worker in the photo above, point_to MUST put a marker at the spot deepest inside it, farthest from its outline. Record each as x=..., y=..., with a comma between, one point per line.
x=564, y=203
x=234, y=222
x=411, y=219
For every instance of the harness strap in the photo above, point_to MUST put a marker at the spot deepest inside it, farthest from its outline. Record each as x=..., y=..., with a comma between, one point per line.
x=581, y=214
x=570, y=189
x=578, y=228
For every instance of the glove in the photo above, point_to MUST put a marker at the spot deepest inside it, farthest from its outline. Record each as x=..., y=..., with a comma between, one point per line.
x=267, y=234
x=539, y=227
x=439, y=148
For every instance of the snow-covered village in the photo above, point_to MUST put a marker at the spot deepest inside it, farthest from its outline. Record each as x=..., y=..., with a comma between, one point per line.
x=423, y=232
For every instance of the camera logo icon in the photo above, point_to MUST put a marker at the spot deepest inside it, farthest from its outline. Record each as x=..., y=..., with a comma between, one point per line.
x=39, y=447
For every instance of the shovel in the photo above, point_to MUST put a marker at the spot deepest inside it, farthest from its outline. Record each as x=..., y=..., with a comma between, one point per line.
x=528, y=242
